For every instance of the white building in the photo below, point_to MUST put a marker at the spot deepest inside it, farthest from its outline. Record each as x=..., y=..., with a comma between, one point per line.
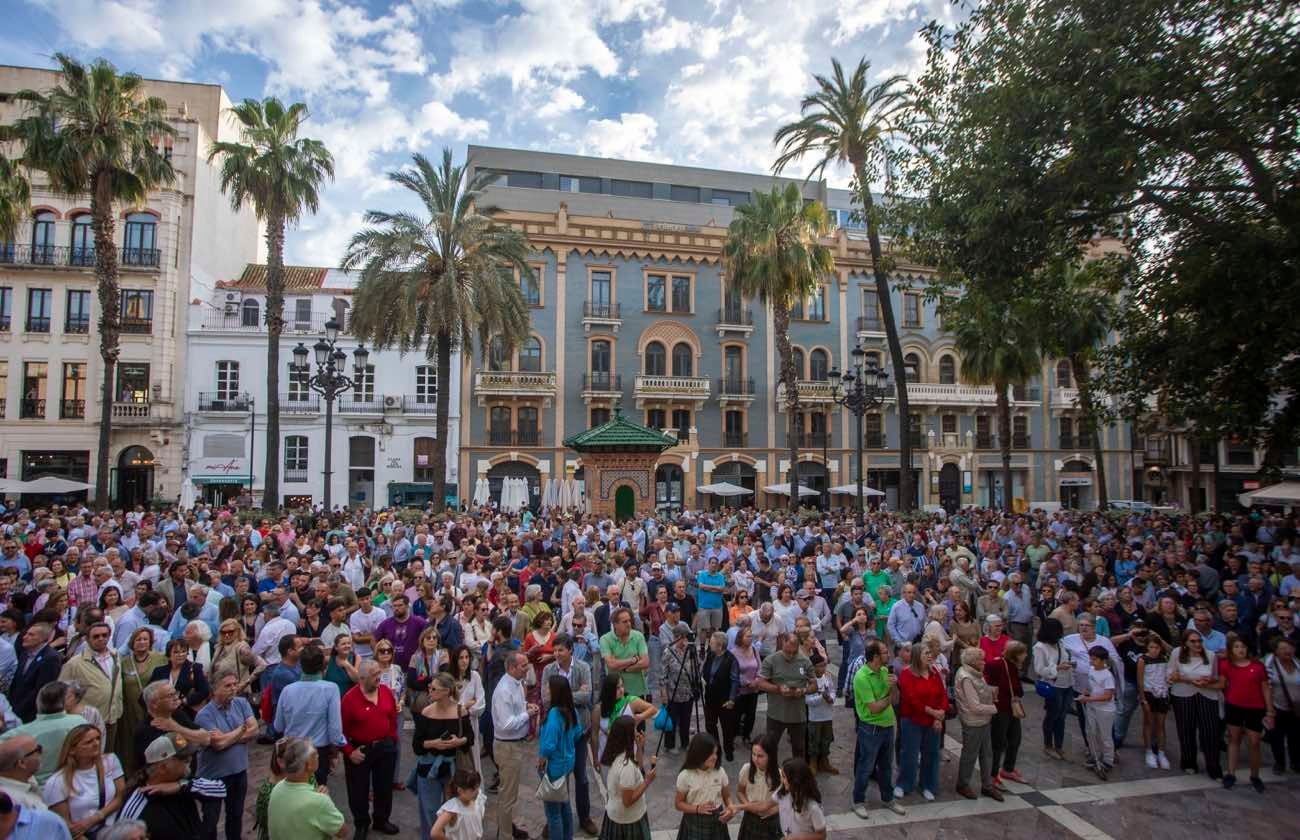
x=384, y=429
x=174, y=246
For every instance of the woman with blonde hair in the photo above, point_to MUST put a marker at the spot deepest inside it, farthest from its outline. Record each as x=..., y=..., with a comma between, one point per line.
x=233, y=655
x=88, y=787
x=429, y=657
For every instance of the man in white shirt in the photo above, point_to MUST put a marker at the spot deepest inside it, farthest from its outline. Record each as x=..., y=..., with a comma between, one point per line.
x=572, y=589
x=275, y=628
x=364, y=621
x=511, y=713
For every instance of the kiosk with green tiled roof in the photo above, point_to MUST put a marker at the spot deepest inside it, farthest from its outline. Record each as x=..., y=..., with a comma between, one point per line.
x=618, y=465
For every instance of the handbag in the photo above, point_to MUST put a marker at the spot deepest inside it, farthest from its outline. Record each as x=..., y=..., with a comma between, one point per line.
x=553, y=791
x=1017, y=708
x=663, y=721
x=1043, y=688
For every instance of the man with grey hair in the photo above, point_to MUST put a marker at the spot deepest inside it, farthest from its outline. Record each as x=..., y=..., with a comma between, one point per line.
x=50, y=727
x=229, y=718
x=38, y=664
x=166, y=715
x=297, y=804
x=274, y=628
x=369, y=714
x=20, y=758
x=125, y=830
x=511, y=713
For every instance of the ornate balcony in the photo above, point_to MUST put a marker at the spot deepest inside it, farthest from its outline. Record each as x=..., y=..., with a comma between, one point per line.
x=602, y=315
x=514, y=383
x=811, y=392
x=1065, y=398
x=223, y=402
x=601, y=386
x=132, y=413
x=308, y=404
x=735, y=390
x=737, y=320
x=869, y=327
x=62, y=256
x=650, y=388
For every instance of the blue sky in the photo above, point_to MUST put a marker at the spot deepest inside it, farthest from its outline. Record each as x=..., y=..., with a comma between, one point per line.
x=700, y=82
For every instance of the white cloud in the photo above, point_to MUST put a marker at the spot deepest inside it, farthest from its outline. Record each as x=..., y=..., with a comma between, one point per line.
x=559, y=100
x=854, y=16
x=630, y=137
x=674, y=34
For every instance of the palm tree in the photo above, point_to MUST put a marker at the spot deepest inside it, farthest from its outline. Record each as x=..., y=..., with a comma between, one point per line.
x=773, y=252
x=15, y=198
x=94, y=133
x=848, y=121
x=1078, y=318
x=997, y=342
x=280, y=174
x=434, y=280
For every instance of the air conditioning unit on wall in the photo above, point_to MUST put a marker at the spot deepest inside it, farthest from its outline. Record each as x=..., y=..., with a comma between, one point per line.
x=391, y=401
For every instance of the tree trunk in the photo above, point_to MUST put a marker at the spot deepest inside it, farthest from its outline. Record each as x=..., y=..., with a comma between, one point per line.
x=274, y=328
x=906, y=490
x=1193, y=446
x=790, y=379
x=1213, y=496
x=101, y=211
x=1083, y=377
x=1004, y=442
x=443, y=409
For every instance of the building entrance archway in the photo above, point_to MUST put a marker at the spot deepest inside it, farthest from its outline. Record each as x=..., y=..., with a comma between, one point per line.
x=950, y=487
x=135, y=468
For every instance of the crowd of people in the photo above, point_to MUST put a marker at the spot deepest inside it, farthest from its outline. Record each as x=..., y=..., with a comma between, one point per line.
x=142, y=652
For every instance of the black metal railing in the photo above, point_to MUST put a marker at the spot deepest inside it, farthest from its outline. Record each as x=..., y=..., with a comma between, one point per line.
x=602, y=382
x=72, y=410
x=1025, y=393
x=866, y=323
x=137, y=326
x=76, y=326
x=299, y=404
x=82, y=257
x=38, y=324
x=78, y=257
x=527, y=436
x=4, y=403
x=985, y=441
x=33, y=409
x=1020, y=441
x=601, y=309
x=735, y=440
x=736, y=387
x=141, y=257
x=351, y=405
x=295, y=476
x=223, y=402
x=873, y=440
x=814, y=440
x=500, y=437
x=736, y=316
x=426, y=406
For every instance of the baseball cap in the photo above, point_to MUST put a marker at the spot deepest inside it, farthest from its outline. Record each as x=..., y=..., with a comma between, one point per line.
x=168, y=746
x=673, y=606
x=802, y=595
x=656, y=567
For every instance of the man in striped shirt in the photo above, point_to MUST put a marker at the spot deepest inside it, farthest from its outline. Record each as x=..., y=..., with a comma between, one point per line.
x=168, y=802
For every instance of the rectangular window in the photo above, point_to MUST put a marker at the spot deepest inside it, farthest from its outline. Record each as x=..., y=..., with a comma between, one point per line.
x=870, y=311
x=34, y=394
x=817, y=305
x=917, y=436
x=599, y=417
x=4, y=389
x=680, y=193
x=729, y=198
x=1065, y=430
x=137, y=311
x=873, y=426
x=426, y=384
x=302, y=314
x=531, y=287
x=133, y=382
x=424, y=452
x=733, y=429
x=579, y=184
x=681, y=293
x=1020, y=432
x=631, y=189
x=532, y=180
x=911, y=309
x=526, y=426
x=74, y=391
x=949, y=422
x=655, y=418
x=6, y=308
x=295, y=456
x=363, y=384
x=983, y=433
x=297, y=388
x=1240, y=453
x=682, y=422
x=655, y=292
x=78, y=317
x=227, y=380
x=39, y=303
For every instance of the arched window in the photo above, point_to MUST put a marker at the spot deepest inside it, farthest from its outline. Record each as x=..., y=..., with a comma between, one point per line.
x=683, y=363
x=1064, y=375
x=250, y=313
x=530, y=355
x=140, y=241
x=818, y=365
x=83, y=241
x=797, y=354
x=947, y=370
x=43, y=238
x=912, y=363
x=656, y=359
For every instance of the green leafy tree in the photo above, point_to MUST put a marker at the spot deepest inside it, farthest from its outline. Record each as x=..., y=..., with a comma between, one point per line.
x=15, y=198
x=773, y=251
x=280, y=174
x=94, y=133
x=433, y=280
x=848, y=121
x=997, y=340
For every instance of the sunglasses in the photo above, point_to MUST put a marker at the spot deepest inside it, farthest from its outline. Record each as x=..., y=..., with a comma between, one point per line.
x=383, y=650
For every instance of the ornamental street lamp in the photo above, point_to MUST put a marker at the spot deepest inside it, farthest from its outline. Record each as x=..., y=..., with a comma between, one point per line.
x=330, y=382
x=860, y=390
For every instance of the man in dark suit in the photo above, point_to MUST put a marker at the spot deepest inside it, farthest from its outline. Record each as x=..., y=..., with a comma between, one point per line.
x=38, y=664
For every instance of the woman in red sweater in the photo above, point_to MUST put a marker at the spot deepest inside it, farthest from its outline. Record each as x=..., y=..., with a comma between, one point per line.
x=923, y=707
x=1004, y=673
x=1248, y=708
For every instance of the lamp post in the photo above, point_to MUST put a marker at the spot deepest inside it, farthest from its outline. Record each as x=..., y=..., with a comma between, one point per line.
x=860, y=389
x=329, y=381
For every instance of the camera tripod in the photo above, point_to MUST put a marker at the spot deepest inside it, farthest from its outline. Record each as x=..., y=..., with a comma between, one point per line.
x=692, y=667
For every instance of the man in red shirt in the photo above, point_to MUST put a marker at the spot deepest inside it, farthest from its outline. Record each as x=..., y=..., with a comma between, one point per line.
x=369, y=714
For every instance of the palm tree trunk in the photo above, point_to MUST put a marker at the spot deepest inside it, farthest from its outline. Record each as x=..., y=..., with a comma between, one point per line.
x=906, y=490
x=790, y=379
x=1213, y=495
x=274, y=327
x=101, y=211
x=1193, y=448
x=1083, y=376
x=1004, y=442
x=443, y=408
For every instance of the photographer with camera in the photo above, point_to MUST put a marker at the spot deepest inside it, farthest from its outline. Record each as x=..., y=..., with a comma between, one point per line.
x=679, y=686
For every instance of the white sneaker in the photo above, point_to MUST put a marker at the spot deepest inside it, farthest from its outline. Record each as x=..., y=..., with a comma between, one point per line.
x=860, y=810
x=1152, y=761
x=894, y=806
x=1163, y=761
x=929, y=796
x=898, y=793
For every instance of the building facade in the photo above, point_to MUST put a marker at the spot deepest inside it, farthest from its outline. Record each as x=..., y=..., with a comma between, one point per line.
x=178, y=242
x=383, y=429
x=630, y=312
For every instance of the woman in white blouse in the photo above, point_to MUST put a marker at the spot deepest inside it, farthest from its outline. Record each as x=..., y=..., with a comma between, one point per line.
x=1195, y=689
x=469, y=686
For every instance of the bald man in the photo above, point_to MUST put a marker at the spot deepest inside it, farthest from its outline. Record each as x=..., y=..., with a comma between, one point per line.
x=20, y=758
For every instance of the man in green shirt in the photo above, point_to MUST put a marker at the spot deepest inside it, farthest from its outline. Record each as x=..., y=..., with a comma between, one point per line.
x=625, y=652
x=296, y=809
x=875, y=576
x=787, y=677
x=50, y=728
x=874, y=692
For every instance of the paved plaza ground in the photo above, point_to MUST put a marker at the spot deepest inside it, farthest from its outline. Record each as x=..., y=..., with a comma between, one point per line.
x=1060, y=798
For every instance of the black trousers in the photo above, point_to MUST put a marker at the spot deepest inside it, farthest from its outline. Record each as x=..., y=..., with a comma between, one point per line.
x=715, y=714
x=681, y=717
x=1284, y=738
x=1197, y=720
x=1006, y=741
x=375, y=771
x=798, y=735
x=233, y=804
x=325, y=756
x=746, y=711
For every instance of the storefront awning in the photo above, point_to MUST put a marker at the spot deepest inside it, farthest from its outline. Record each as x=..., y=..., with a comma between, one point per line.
x=219, y=479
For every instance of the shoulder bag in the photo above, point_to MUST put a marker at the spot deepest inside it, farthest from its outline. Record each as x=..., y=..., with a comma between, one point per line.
x=1017, y=708
x=1043, y=688
x=553, y=791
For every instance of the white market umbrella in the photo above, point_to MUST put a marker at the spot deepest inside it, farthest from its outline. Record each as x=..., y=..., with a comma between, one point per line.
x=852, y=490
x=510, y=495
x=12, y=485
x=572, y=496
x=724, y=488
x=1283, y=494
x=784, y=490
x=481, y=492
x=54, y=484
x=188, y=495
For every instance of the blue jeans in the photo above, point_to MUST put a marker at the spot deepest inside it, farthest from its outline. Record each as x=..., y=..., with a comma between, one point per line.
x=655, y=647
x=581, y=786
x=873, y=756
x=918, y=742
x=430, y=793
x=844, y=666
x=1057, y=709
x=559, y=820
x=1127, y=705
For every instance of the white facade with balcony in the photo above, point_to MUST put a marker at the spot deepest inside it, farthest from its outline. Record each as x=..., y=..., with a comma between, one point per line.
x=174, y=246
x=384, y=428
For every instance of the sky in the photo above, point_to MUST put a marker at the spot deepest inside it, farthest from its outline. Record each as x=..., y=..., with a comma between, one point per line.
x=693, y=82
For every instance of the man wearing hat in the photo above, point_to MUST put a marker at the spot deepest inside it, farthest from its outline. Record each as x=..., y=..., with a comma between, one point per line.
x=168, y=802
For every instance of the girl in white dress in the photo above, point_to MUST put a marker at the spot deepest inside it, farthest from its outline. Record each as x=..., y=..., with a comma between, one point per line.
x=461, y=816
